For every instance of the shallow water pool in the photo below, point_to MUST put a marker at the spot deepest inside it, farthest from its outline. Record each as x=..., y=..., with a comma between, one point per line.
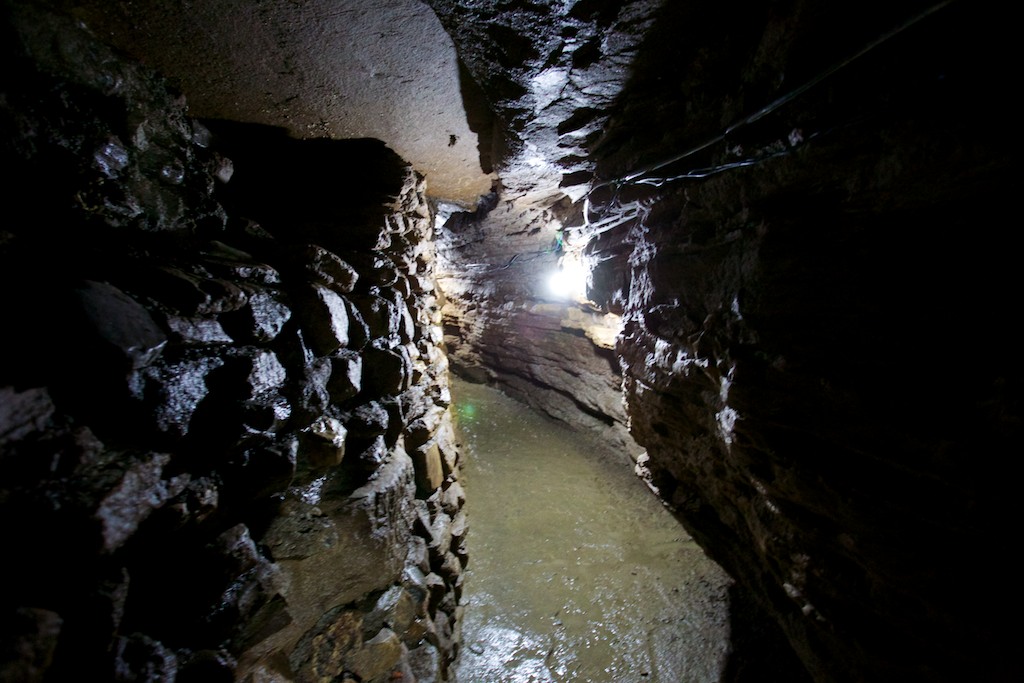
x=576, y=571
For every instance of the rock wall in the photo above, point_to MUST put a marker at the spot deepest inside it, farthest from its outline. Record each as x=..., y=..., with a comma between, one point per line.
x=799, y=210
x=547, y=73
x=226, y=446
x=816, y=226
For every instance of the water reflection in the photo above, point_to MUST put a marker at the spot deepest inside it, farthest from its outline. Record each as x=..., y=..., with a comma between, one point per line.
x=576, y=573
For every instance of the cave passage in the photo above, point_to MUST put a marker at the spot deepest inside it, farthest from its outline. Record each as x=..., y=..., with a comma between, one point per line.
x=578, y=573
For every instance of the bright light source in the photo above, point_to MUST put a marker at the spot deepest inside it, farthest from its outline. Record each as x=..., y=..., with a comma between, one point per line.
x=570, y=280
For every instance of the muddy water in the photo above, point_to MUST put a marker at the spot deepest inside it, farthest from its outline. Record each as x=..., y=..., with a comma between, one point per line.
x=576, y=572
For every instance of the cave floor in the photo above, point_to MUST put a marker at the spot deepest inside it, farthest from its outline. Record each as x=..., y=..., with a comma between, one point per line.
x=576, y=572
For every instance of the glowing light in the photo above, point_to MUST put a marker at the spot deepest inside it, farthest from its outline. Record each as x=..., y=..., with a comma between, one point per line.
x=570, y=280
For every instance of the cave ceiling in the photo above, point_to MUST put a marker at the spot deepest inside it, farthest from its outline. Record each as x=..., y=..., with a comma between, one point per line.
x=360, y=68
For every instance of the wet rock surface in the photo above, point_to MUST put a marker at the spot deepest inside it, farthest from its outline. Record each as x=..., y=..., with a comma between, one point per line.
x=204, y=464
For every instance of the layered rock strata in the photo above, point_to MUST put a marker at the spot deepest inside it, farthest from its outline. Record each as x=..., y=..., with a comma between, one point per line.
x=548, y=73
x=227, y=452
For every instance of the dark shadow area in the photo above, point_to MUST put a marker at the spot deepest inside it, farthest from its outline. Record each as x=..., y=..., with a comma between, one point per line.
x=759, y=650
x=481, y=120
x=330, y=192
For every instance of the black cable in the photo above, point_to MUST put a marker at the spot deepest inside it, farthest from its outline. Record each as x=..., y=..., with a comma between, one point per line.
x=636, y=176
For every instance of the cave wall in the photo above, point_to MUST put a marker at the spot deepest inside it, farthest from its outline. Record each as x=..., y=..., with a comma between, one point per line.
x=817, y=231
x=227, y=452
x=548, y=74
x=798, y=209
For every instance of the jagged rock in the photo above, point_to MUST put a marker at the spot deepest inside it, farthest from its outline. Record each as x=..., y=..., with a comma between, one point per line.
x=172, y=392
x=374, y=267
x=265, y=470
x=397, y=420
x=423, y=429
x=442, y=634
x=418, y=556
x=196, y=330
x=120, y=324
x=378, y=656
x=121, y=491
x=369, y=420
x=249, y=606
x=406, y=326
x=324, y=318
x=450, y=567
x=368, y=453
x=328, y=269
x=426, y=663
x=429, y=474
x=322, y=444
x=325, y=650
x=338, y=551
x=227, y=412
x=195, y=294
x=380, y=315
x=452, y=500
x=260, y=320
x=449, y=448
x=358, y=330
x=436, y=589
x=227, y=261
x=386, y=372
x=312, y=394
x=346, y=379
x=264, y=415
x=261, y=372
x=439, y=538
x=194, y=505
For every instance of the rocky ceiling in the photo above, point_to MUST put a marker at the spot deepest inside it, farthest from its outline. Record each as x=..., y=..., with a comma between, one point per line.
x=360, y=68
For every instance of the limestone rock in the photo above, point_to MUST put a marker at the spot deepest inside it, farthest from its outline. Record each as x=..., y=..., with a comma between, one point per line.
x=196, y=330
x=359, y=330
x=120, y=324
x=328, y=269
x=122, y=490
x=386, y=372
x=322, y=444
x=429, y=474
x=260, y=320
x=324, y=318
x=173, y=391
x=381, y=316
x=312, y=395
x=346, y=378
